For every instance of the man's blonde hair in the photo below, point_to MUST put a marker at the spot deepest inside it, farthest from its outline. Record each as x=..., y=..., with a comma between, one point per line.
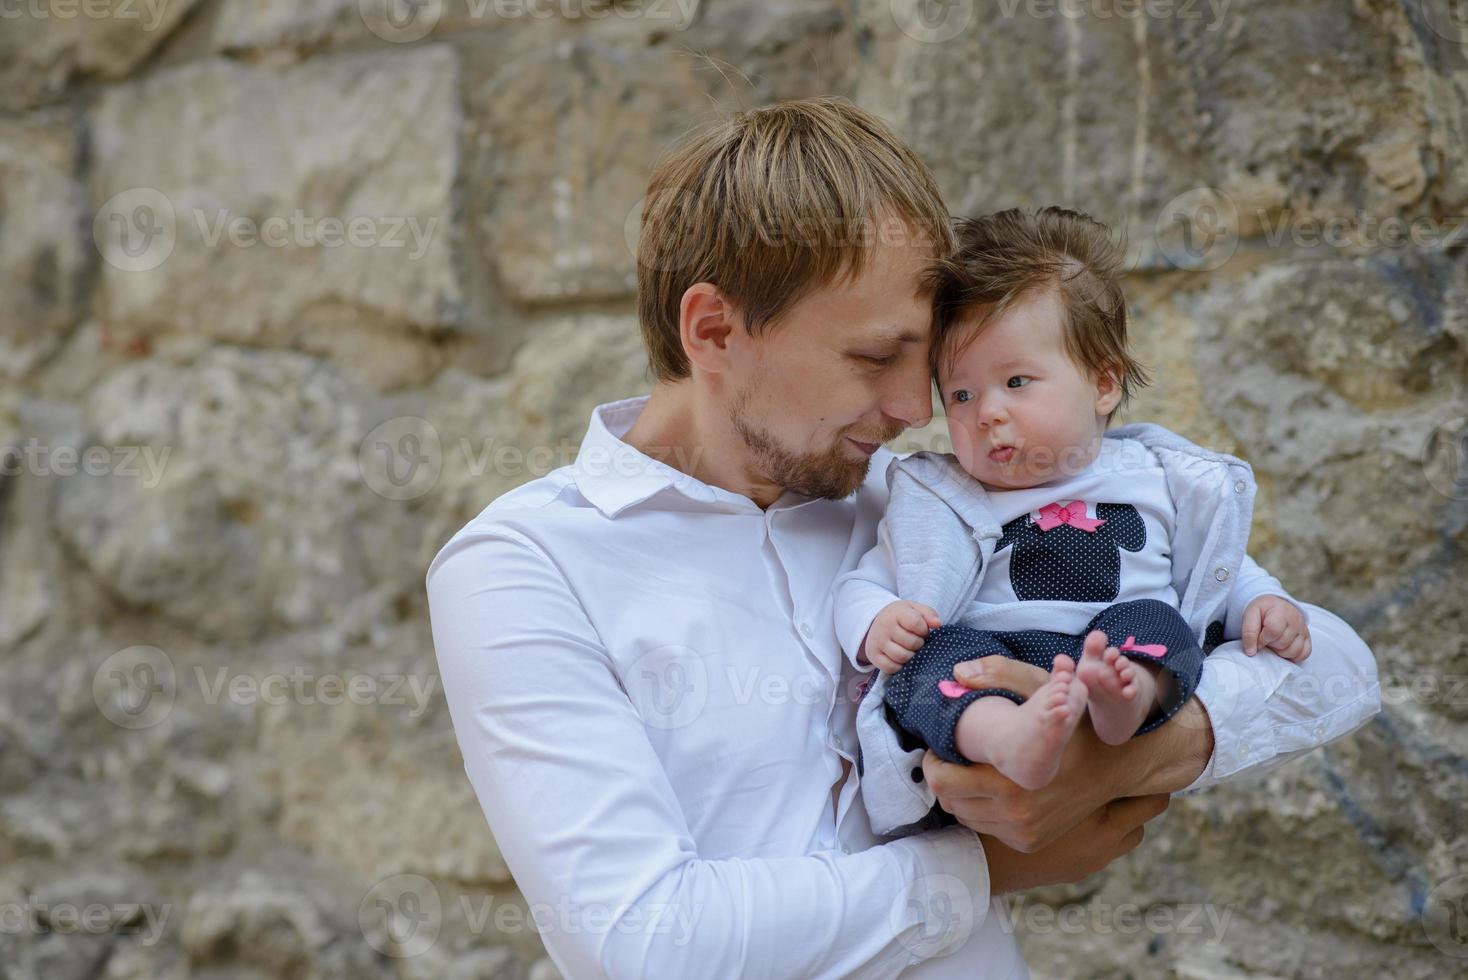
x=771, y=204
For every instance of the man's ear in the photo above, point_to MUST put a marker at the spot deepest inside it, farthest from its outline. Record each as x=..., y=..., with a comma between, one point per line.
x=707, y=322
x=1108, y=390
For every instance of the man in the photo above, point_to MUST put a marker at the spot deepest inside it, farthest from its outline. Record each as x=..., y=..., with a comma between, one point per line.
x=638, y=649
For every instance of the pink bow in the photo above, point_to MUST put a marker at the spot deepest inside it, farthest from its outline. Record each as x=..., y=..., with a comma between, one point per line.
x=952, y=689
x=1150, y=649
x=1074, y=514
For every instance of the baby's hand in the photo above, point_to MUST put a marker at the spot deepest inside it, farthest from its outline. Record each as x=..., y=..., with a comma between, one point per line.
x=1276, y=624
x=897, y=633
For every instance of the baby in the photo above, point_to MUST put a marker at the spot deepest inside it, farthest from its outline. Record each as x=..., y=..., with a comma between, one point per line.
x=1101, y=556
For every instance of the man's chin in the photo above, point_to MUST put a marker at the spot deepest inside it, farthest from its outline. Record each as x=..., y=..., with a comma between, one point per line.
x=834, y=474
x=830, y=476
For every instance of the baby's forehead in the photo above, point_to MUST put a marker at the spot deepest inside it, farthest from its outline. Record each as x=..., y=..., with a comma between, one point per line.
x=994, y=346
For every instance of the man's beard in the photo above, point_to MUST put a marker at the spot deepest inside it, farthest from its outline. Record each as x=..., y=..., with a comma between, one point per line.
x=831, y=474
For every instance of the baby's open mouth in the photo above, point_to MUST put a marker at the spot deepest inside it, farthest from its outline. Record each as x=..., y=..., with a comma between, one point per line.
x=1002, y=454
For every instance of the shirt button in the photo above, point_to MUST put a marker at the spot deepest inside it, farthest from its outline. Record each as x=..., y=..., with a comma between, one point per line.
x=1319, y=731
x=917, y=774
x=1221, y=574
x=806, y=631
x=1240, y=486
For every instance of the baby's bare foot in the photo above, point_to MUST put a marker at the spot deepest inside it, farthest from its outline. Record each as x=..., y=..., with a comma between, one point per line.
x=1025, y=742
x=1122, y=693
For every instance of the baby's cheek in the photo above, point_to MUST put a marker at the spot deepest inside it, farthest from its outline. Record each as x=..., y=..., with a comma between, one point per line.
x=963, y=444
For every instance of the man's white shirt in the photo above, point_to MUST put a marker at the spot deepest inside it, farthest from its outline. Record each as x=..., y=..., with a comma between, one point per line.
x=655, y=714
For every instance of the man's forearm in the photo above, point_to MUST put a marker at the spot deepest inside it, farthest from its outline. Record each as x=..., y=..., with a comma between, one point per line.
x=1167, y=759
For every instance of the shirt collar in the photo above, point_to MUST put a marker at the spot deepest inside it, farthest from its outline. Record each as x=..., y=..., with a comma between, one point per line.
x=614, y=475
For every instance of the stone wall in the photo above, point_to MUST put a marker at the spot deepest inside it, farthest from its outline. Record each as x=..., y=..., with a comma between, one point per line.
x=288, y=292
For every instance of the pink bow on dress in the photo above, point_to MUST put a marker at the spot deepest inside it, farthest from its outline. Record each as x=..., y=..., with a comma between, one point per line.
x=1150, y=649
x=1074, y=514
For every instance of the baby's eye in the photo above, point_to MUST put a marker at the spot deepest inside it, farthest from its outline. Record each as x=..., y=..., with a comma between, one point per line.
x=1017, y=377
x=961, y=395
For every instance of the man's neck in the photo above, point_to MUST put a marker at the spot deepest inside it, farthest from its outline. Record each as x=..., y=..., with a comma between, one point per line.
x=692, y=433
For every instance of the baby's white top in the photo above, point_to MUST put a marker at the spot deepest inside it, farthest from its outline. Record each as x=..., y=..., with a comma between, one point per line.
x=1124, y=472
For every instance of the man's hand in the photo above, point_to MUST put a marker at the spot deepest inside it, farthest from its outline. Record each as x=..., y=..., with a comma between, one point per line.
x=1276, y=624
x=1102, y=837
x=1092, y=773
x=897, y=633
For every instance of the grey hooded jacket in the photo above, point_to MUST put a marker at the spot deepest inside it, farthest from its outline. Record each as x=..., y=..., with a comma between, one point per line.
x=938, y=535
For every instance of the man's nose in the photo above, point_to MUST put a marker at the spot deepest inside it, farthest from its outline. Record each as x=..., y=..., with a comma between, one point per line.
x=910, y=400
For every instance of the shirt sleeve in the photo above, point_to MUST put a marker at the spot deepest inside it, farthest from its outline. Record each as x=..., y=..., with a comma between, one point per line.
x=590, y=826
x=862, y=593
x=1265, y=710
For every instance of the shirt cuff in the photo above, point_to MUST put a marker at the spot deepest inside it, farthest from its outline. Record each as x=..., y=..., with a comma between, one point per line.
x=947, y=897
x=1235, y=690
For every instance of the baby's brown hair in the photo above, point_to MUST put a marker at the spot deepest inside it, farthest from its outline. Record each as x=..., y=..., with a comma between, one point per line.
x=1000, y=257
